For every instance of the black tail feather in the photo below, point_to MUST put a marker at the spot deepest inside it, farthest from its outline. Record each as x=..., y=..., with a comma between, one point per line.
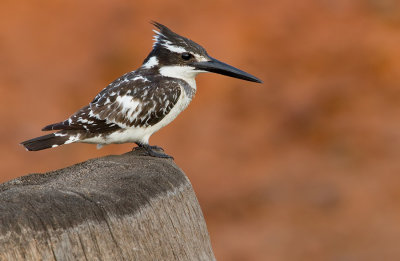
x=55, y=126
x=45, y=142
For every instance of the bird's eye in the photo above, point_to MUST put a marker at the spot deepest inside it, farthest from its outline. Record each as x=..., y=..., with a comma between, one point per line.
x=186, y=56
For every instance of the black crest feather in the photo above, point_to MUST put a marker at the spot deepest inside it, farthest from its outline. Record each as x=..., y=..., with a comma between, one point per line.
x=167, y=36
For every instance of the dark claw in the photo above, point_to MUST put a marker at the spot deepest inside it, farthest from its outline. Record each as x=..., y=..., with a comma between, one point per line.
x=150, y=151
x=158, y=155
x=156, y=148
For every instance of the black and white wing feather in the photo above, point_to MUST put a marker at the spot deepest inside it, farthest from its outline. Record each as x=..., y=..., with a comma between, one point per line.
x=137, y=103
x=130, y=101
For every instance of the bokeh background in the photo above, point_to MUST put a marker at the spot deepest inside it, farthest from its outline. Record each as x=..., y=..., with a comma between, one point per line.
x=303, y=167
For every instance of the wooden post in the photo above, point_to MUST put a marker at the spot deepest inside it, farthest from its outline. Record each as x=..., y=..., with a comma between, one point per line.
x=125, y=207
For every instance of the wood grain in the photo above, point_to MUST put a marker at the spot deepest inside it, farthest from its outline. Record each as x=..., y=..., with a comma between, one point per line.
x=125, y=207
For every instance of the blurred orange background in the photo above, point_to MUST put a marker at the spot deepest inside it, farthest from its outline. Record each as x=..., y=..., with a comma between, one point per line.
x=303, y=167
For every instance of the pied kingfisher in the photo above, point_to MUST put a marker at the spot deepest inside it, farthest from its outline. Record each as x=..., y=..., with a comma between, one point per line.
x=139, y=103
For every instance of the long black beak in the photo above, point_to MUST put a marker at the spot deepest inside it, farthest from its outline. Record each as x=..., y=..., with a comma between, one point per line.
x=216, y=66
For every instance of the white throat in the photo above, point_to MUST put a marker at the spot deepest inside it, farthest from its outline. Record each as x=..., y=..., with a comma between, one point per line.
x=186, y=73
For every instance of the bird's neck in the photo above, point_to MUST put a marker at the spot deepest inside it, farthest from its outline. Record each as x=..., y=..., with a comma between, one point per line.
x=186, y=73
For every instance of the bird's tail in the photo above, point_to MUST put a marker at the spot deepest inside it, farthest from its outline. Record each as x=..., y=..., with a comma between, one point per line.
x=46, y=141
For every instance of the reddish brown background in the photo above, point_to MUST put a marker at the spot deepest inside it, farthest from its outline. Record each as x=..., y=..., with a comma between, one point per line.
x=303, y=167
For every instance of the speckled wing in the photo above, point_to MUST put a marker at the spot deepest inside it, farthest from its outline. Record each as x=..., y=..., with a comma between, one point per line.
x=130, y=101
x=83, y=121
x=139, y=102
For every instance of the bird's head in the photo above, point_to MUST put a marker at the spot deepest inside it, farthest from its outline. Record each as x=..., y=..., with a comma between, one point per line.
x=179, y=57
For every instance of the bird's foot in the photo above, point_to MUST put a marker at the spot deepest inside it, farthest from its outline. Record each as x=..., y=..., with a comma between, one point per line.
x=156, y=148
x=150, y=151
x=153, y=153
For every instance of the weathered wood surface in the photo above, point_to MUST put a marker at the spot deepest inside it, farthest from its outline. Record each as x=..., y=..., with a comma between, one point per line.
x=126, y=207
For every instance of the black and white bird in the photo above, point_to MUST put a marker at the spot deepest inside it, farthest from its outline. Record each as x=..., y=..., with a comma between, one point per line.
x=139, y=103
